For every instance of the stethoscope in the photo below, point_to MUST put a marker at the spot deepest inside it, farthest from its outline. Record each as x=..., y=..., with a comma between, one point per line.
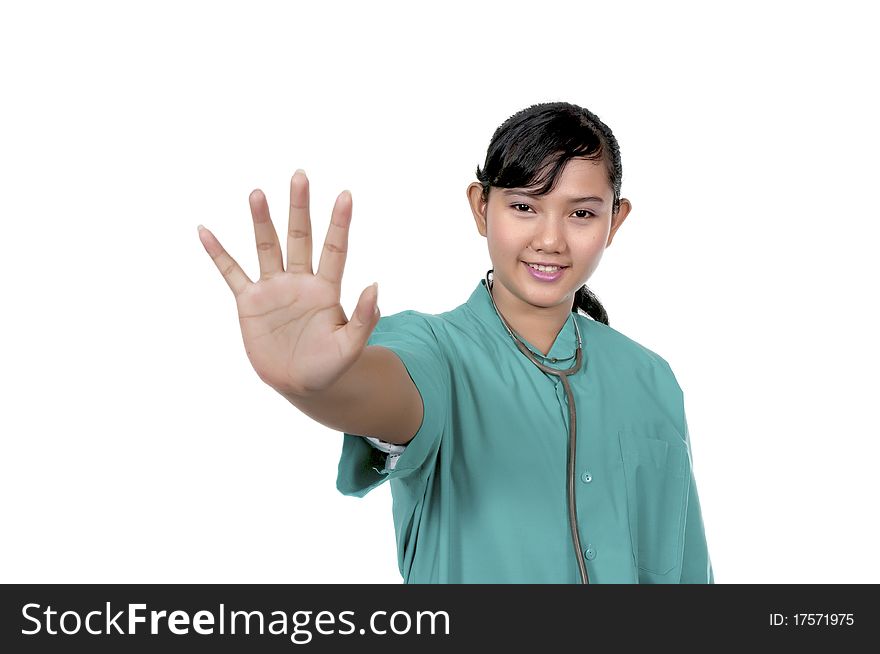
x=572, y=423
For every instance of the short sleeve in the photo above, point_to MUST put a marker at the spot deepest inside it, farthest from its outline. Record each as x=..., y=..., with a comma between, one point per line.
x=696, y=565
x=363, y=467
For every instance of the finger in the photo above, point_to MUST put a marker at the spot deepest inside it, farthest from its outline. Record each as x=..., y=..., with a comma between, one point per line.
x=368, y=304
x=299, y=227
x=332, y=262
x=233, y=274
x=364, y=318
x=268, y=248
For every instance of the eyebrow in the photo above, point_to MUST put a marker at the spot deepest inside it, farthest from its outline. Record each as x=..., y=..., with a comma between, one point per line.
x=588, y=198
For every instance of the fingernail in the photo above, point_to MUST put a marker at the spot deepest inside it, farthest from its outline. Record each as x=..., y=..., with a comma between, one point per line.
x=201, y=227
x=299, y=170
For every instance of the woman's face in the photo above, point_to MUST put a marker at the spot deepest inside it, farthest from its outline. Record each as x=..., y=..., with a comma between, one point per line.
x=570, y=226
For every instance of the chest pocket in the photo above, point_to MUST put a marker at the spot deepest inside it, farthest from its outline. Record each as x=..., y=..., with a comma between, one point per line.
x=656, y=473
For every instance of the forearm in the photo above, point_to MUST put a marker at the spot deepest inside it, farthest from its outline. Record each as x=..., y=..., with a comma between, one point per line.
x=337, y=407
x=375, y=397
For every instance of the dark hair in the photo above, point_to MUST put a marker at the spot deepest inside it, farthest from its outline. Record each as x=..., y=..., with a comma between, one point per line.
x=542, y=138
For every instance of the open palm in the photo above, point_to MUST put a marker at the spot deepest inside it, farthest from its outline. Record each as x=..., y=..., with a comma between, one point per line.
x=295, y=331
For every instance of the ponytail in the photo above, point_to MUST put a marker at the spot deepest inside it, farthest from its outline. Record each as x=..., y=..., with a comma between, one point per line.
x=585, y=301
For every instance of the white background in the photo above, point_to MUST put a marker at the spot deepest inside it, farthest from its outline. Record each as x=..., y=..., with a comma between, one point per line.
x=138, y=444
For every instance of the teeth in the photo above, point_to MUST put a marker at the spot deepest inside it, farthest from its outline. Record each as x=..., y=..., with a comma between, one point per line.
x=544, y=268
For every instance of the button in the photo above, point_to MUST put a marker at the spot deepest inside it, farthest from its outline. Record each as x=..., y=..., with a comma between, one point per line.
x=590, y=552
x=554, y=360
x=586, y=477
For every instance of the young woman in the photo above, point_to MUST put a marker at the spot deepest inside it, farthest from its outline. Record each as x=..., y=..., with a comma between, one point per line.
x=525, y=442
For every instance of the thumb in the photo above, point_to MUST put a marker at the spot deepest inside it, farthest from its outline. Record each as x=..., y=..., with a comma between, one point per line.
x=367, y=311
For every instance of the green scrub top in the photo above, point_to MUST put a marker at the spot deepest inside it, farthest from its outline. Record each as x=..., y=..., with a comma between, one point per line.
x=480, y=492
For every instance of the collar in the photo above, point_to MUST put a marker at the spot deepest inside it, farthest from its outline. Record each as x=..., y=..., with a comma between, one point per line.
x=564, y=347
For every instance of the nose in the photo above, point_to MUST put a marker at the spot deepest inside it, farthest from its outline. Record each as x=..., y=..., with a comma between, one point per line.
x=548, y=234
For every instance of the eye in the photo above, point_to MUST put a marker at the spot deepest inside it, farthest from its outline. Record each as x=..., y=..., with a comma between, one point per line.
x=589, y=215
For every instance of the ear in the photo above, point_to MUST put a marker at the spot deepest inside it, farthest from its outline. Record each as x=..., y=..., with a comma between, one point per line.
x=617, y=220
x=478, y=207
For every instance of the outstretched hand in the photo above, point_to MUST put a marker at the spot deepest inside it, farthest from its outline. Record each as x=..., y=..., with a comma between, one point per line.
x=295, y=331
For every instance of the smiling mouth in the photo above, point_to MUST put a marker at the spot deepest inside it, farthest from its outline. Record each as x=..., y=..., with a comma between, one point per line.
x=546, y=276
x=558, y=268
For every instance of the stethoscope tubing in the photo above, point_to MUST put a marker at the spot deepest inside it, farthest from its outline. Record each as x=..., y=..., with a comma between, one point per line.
x=572, y=425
